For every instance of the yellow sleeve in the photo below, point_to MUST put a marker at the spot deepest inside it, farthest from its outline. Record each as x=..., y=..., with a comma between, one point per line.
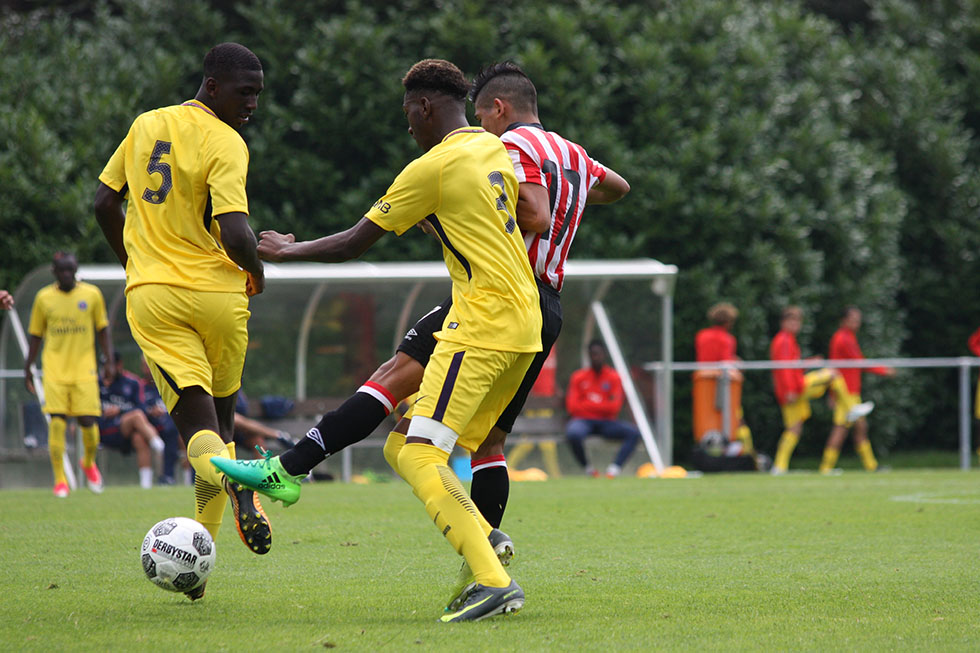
x=227, y=171
x=38, y=321
x=98, y=309
x=412, y=197
x=114, y=173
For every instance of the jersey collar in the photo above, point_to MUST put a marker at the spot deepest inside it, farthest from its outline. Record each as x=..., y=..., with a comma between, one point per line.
x=462, y=130
x=515, y=125
x=199, y=105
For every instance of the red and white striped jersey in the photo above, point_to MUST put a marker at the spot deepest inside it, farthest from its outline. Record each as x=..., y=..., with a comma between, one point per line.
x=565, y=169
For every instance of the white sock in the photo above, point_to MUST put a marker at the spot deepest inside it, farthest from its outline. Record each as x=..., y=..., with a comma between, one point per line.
x=146, y=477
x=613, y=470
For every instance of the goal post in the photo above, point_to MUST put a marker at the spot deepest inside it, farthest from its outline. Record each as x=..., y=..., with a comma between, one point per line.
x=319, y=330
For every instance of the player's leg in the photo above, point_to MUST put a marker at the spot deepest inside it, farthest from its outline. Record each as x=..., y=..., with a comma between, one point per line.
x=862, y=445
x=463, y=393
x=141, y=434
x=56, y=453
x=87, y=403
x=56, y=404
x=576, y=431
x=794, y=414
x=358, y=417
x=623, y=432
x=490, y=487
x=838, y=434
x=279, y=476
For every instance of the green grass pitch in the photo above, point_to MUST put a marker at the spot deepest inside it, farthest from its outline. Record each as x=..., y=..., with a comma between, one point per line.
x=858, y=562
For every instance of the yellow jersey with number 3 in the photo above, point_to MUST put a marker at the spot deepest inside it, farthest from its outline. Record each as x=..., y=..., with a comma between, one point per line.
x=466, y=188
x=180, y=165
x=67, y=322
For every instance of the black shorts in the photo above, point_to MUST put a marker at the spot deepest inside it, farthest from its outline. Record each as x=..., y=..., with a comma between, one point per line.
x=551, y=320
x=419, y=344
x=419, y=341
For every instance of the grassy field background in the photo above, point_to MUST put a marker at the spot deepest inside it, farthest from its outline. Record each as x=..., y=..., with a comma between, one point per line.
x=863, y=562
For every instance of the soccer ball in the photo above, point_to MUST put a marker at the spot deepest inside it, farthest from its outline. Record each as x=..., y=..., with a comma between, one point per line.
x=177, y=554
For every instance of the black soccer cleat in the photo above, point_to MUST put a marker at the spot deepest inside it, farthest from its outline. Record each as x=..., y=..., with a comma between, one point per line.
x=253, y=525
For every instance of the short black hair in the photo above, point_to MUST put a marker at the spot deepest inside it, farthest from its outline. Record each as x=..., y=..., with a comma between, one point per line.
x=436, y=75
x=597, y=342
x=63, y=255
x=225, y=59
x=847, y=310
x=505, y=79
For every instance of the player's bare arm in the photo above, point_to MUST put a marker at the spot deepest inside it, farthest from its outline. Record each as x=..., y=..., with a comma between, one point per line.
x=239, y=242
x=533, y=208
x=111, y=217
x=336, y=248
x=609, y=190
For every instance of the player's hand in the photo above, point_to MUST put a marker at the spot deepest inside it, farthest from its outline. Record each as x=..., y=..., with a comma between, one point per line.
x=29, y=379
x=110, y=410
x=791, y=397
x=254, y=285
x=273, y=245
x=6, y=300
x=109, y=374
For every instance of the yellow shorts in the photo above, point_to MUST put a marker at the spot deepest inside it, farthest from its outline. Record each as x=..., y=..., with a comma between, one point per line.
x=466, y=389
x=976, y=404
x=815, y=384
x=190, y=338
x=841, y=408
x=72, y=399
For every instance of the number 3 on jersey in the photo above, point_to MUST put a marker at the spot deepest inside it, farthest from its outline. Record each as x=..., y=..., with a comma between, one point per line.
x=163, y=169
x=497, y=179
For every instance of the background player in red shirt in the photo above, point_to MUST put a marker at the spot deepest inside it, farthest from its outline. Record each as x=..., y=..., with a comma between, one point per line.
x=594, y=399
x=794, y=389
x=716, y=343
x=844, y=345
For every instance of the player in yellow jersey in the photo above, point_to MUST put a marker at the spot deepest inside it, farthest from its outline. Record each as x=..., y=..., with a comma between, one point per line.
x=464, y=189
x=68, y=316
x=191, y=264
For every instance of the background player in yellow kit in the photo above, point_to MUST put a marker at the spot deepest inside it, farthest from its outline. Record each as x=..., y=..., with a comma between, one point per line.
x=191, y=263
x=68, y=315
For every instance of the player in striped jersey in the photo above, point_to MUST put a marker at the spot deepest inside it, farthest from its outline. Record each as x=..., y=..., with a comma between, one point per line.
x=557, y=180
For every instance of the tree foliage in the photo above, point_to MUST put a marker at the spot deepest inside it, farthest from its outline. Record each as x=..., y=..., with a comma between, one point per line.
x=816, y=153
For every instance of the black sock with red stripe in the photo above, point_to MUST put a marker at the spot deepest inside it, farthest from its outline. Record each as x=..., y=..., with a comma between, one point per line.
x=490, y=488
x=352, y=422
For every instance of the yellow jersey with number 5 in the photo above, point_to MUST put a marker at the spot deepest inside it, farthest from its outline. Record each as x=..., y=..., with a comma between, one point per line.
x=180, y=166
x=466, y=188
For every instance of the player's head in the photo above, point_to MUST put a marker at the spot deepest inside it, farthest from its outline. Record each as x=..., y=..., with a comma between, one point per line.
x=851, y=317
x=791, y=319
x=64, y=265
x=435, y=100
x=503, y=94
x=723, y=314
x=232, y=82
x=597, y=353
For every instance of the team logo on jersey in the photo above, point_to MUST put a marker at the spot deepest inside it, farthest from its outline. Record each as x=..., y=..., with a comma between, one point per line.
x=452, y=325
x=82, y=305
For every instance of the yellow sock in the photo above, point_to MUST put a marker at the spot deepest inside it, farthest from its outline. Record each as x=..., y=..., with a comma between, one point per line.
x=425, y=469
x=829, y=459
x=866, y=455
x=56, y=448
x=393, y=446
x=90, y=438
x=787, y=442
x=210, y=498
x=201, y=447
x=745, y=435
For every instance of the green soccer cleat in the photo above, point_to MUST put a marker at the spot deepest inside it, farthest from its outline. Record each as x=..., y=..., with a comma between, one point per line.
x=265, y=476
x=502, y=545
x=483, y=602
